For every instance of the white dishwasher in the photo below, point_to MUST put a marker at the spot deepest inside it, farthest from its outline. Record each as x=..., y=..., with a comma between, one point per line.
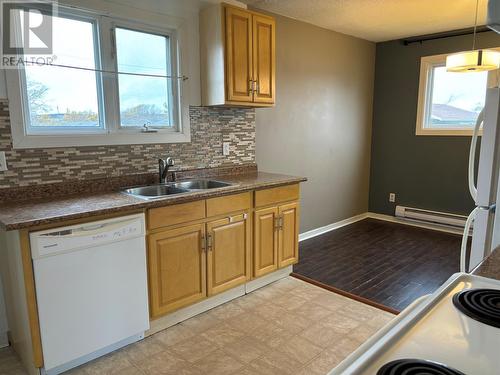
x=91, y=289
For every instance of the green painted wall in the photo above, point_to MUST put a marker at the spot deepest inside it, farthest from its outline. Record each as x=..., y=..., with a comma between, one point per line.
x=424, y=171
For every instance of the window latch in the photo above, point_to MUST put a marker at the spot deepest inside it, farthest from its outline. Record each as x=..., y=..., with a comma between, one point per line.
x=146, y=129
x=113, y=43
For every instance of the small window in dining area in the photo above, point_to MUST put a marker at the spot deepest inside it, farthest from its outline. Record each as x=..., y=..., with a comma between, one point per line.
x=448, y=103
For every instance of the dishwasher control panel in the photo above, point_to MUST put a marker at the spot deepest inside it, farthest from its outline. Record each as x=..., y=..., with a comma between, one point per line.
x=55, y=241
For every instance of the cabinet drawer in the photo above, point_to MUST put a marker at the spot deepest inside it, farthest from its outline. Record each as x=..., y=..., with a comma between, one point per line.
x=276, y=195
x=229, y=203
x=176, y=214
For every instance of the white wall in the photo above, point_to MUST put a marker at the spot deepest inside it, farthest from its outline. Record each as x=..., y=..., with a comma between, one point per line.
x=3, y=314
x=320, y=127
x=3, y=319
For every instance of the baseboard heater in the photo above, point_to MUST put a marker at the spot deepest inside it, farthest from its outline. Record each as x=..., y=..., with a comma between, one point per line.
x=431, y=217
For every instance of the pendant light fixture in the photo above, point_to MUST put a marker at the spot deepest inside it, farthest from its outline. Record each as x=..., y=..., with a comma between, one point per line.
x=476, y=60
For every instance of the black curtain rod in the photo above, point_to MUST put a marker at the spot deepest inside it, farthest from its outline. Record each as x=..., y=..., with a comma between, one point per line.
x=443, y=35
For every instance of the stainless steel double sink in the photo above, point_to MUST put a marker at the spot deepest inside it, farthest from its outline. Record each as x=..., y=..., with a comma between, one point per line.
x=162, y=190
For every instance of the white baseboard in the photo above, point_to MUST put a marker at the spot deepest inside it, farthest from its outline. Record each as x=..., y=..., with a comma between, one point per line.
x=268, y=279
x=414, y=223
x=372, y=215
x=185, y=313
x=327, y=228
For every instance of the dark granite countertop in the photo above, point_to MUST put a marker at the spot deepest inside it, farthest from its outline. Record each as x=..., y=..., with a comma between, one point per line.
x=32, y=213
x=490, y=267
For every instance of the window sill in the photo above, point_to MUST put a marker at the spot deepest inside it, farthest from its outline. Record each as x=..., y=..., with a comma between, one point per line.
x=447, y=132
x=52, y=141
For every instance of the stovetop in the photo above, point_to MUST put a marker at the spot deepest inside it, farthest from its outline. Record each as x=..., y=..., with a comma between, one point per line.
x=416, y=367
x=482, y=305
x=436, y=330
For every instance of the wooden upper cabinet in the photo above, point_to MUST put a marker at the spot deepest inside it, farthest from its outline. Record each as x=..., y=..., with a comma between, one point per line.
x=239, y=55
x=264, y=59
x=288, y=240
x=237, y=49
x=177, y=268
x=228, y=253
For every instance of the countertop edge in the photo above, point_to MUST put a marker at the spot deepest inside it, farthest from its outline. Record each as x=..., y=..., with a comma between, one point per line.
x=140, y=204
x=490, y=266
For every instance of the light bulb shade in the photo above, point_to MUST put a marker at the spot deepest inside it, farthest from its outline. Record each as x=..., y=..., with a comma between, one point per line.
x=473, y=61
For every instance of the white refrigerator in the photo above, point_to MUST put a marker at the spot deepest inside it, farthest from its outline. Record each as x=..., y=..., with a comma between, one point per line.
x=486, y=194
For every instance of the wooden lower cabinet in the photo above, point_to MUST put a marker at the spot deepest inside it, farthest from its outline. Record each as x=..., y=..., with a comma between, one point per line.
x=228, y=253
x=189, y=263
x=177, y=268
x=265, y=241
x=288, y=238
x=276, y=238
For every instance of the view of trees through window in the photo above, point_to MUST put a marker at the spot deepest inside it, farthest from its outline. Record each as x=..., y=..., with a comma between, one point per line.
x=65, y=97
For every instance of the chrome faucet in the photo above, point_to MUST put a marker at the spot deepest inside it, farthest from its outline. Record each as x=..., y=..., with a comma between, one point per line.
x=164, y=165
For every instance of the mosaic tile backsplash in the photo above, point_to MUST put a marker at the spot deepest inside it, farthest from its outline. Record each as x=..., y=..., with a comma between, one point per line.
x=209, y=128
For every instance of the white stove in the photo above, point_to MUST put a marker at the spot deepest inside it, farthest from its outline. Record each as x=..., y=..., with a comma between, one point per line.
x=442, y=336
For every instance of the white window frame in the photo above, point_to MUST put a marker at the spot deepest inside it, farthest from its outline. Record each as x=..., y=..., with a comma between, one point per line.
x=113, y=133
x=427, y=63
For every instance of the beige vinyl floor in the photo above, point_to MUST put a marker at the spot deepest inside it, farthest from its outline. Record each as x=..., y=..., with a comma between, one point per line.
x=288, y=327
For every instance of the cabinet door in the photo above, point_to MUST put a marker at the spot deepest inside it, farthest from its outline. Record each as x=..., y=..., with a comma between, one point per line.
x=264, y=59
x=239, y=73
x=177, y=268
x=265, y=241
x=288, y=251
x=228, y=253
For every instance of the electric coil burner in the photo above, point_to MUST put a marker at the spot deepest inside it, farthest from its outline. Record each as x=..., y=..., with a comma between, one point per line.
x=416, y=367
x=482, y=305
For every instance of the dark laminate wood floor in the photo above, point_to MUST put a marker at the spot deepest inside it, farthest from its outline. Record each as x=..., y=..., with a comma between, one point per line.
x=391, y=264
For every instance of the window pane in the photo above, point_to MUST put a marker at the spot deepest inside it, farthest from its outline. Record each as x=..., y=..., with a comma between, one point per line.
x=144, y=100
x=457, y=98
x=65, y=97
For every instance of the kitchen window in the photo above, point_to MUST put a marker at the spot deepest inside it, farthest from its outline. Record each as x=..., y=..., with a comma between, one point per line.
x=449, y=103
x=112, y=82
x=144, y=99
x=64, y=100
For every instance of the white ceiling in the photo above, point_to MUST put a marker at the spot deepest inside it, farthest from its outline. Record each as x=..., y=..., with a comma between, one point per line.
x=380, y=20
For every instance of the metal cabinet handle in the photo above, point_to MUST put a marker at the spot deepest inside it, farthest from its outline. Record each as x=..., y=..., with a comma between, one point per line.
x=203, y=244
x=257, y=86
x=209, y=242
x=250, y=87
x=232, y=219
x=278, y=222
